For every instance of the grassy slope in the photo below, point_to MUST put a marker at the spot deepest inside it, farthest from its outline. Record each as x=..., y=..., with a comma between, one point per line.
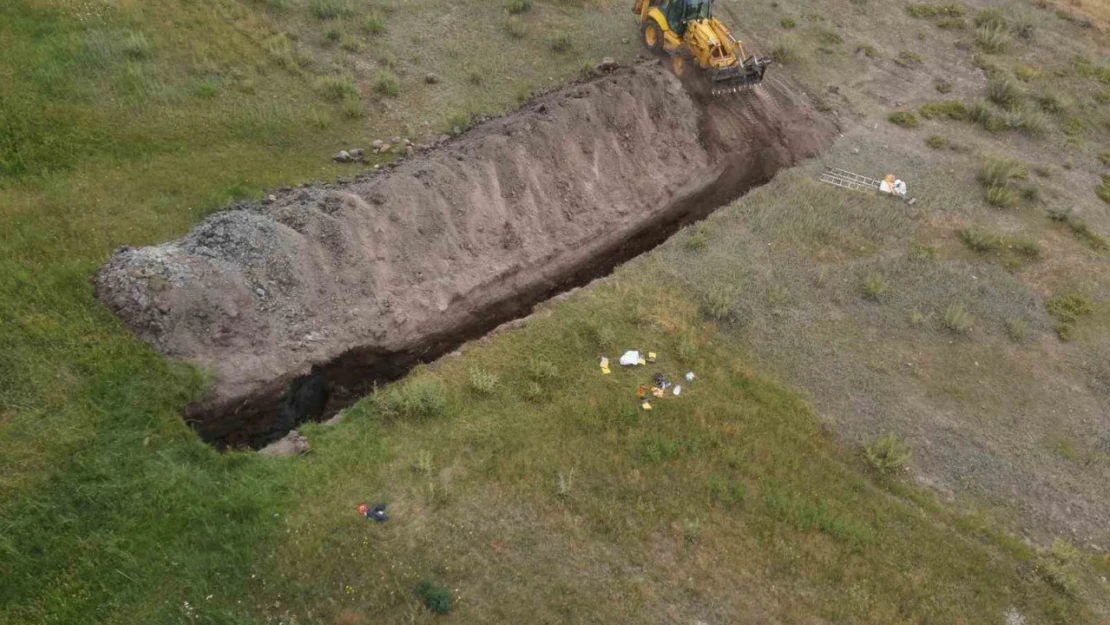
x=126, y=125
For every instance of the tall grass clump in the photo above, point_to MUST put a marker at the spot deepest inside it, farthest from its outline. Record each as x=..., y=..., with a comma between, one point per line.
x=992, y=18
x=516, y=7
x=1103, y=189
x=374, y=24
x=874, y=286
x=957, y=319
x=483, y=382
x=336, y=89
x=418, y=398
x=560, y=42
x=997, y=174
x=787, y=50
x=515, y=27
x=386, y=83
x=992, y=40
x=951, y=109
x=329, y=9
x=1005, y=93
x=1080, y=229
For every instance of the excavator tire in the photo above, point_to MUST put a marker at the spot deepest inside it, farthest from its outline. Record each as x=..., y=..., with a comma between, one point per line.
x=652, y=35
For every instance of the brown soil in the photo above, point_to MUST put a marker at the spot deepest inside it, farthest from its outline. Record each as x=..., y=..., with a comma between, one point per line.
x=334, y=287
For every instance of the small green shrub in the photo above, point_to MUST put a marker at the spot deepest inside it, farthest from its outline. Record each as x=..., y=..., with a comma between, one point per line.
x=560, y=42
x=456, y=123
x=887, y=455
x=207, y=90
x=1016, y=329
x=386, y=83
x=374, y=24
x=992, y=18
x=1068, y=308
x=329, y=9
x=1031, y=192
x=829, y=37
x=336, y=89
x=333, y=35
x=483, y=382
x=787, y=50
x=696, y=242
x=541, y=371
x=957, y=319
x=438, y=599
x=874, y=286
x=936, y=142
x=907, y=58
x=516, y=7
x=867, y=49
x=1031, y=123
x=726, y=492
x=944, y=87
x=423, y=397
x=515, y=27
x=951, y=109
x=1003, y=92
x=904, y=119
x=951, y=23
x=992, y=40
x=1104, y=158
x=787, y=23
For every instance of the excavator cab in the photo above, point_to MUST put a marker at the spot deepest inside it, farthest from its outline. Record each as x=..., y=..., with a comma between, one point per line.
x=696, y=40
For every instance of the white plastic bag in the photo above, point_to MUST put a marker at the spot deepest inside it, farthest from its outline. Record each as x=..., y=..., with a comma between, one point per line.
x=630, y=358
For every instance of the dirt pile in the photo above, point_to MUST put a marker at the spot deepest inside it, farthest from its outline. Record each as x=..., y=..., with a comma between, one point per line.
x=297, y=305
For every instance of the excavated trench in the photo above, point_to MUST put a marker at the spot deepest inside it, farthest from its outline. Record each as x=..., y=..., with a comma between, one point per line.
x=298, y=306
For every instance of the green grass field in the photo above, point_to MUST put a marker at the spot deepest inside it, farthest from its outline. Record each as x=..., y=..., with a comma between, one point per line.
x=530, y=485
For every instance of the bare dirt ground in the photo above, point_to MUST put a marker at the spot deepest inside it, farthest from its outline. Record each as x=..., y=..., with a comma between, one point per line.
x=358, y=281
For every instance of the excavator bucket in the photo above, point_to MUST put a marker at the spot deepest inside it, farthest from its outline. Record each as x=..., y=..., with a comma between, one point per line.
x=740, y=77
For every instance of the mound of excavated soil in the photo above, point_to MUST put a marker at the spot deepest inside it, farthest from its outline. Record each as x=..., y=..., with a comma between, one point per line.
x=354, y=283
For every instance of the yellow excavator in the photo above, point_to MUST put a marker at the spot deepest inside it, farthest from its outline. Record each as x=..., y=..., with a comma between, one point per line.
x=696, y=41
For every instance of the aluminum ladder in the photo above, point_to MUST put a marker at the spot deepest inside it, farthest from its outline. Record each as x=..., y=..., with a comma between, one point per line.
x=848, y=180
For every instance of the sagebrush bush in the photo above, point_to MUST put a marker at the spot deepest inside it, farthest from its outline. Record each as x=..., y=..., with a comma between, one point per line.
x=438, y=599
x=336, y=89
x=516, y=7
x=787, y=23
x=423, y=397
x=887, y=455
x=904, y=119
x=957, y=319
